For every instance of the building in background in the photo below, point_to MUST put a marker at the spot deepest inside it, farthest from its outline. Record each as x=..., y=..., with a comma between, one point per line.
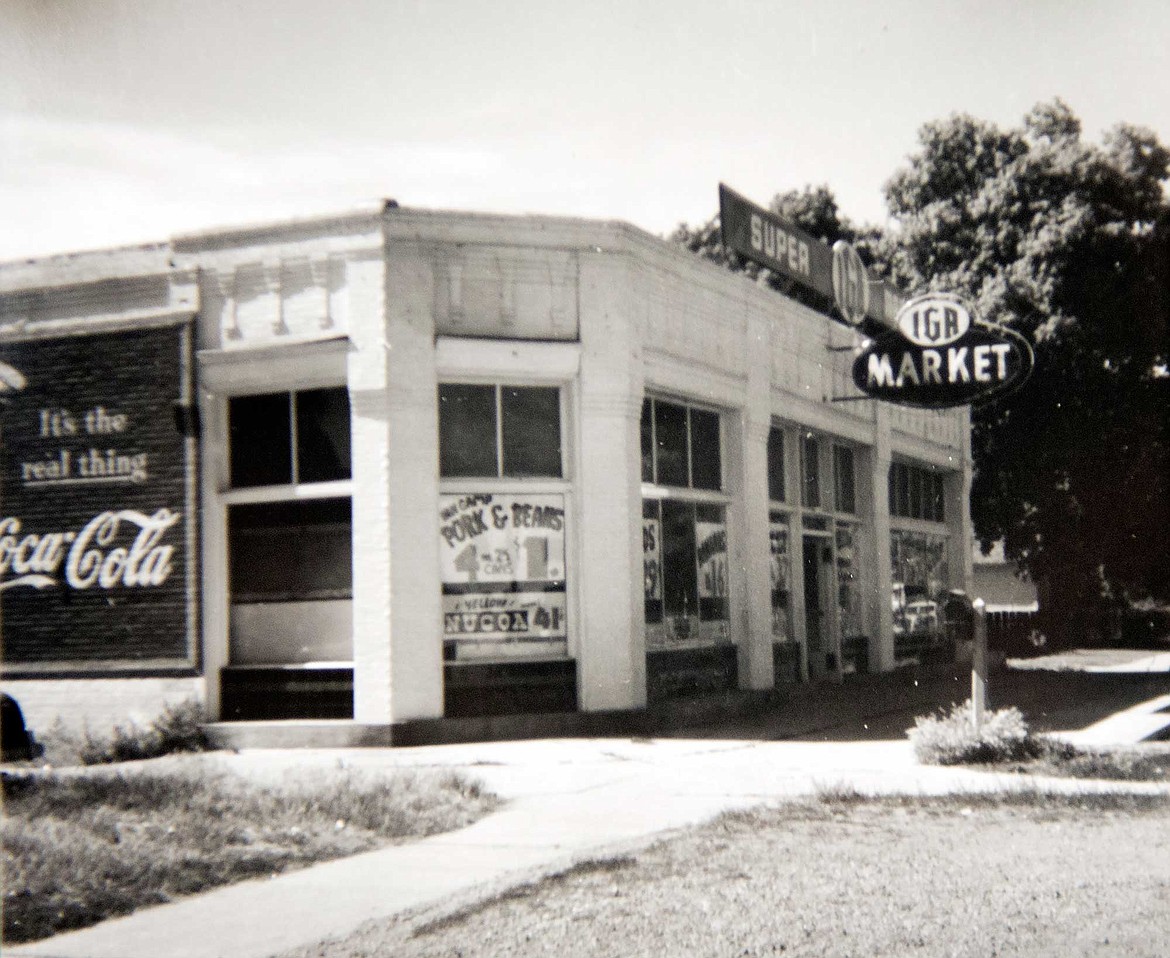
x=398, y=466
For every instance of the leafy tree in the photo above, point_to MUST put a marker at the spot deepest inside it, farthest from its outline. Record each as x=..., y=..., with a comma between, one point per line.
x=1068, y=242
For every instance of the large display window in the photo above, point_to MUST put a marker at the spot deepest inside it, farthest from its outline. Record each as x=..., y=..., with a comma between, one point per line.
x=502, y=544
x=684, y=526
x=921, y=578
x=289, y=526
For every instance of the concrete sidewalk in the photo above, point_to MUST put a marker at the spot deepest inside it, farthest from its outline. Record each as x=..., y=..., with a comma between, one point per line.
x=566, y=800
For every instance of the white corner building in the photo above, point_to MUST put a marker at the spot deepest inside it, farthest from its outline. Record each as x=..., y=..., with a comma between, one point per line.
x=402, y=474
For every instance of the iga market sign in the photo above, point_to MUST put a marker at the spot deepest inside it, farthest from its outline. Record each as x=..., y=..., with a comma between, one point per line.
x=941, y=355
x=97, y=503
x=502, y=562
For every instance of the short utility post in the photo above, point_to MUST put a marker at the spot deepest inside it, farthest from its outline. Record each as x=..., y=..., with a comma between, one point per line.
x=979, y=665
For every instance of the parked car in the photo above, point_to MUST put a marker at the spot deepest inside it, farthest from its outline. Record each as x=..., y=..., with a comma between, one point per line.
x=921, y=616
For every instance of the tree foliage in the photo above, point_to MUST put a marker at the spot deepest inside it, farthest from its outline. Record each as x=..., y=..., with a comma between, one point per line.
x=1068, y=242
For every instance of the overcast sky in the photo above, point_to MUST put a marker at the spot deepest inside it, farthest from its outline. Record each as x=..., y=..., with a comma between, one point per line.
x=125, y=122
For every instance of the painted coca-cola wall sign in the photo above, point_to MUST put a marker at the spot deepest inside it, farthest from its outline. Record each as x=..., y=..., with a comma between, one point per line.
x=97, y=503
x=941, y=355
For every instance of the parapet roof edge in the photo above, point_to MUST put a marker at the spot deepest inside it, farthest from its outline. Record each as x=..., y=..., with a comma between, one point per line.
x=85, y=266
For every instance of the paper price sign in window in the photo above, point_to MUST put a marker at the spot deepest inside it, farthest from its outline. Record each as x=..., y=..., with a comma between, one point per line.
x=502, y=538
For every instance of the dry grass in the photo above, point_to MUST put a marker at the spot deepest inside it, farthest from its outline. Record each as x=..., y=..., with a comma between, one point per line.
x=80, y=848
x=1018, y=874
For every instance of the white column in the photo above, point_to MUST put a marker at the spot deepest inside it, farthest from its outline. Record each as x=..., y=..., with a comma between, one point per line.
x=750, y=548
x=612, y=645
x=879, y=615
x=398, y=668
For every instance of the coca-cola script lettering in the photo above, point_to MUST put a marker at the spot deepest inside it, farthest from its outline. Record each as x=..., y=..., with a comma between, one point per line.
x=122, y=549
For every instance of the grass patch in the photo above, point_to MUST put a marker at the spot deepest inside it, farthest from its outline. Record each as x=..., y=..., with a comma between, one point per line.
x=1061, y=760
x=585, y=868
x=82, y=848
x=966, y=876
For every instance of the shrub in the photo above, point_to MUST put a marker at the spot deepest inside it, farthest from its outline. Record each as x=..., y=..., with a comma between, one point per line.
x=950, y=738
x=177, y=729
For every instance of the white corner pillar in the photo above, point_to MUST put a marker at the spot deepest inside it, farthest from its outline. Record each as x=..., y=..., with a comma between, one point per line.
x=747, y=476
x=879, y=614
x=611, y=649
x=398, y=668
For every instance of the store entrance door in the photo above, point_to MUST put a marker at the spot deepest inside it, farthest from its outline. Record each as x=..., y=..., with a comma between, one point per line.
x=817, y=562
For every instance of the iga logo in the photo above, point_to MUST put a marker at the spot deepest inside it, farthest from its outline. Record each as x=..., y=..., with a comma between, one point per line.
x=936, y=319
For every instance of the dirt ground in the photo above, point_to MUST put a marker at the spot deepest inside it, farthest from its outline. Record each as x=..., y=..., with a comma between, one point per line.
x=837, y=879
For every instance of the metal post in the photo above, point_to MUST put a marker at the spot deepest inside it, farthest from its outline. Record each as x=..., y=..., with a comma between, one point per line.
x=979, y=665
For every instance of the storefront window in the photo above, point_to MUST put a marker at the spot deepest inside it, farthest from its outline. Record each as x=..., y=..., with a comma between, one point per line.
x=681, y=446
x=781, y=576
x=776, y=488
x=848, y=590
x=810, y=471
x=290, y=570
x=502, y=567
x=289, y=438
x=916, y=492
x=685, y=563
x=843, y=480
x=918, y=565
x=499, y=431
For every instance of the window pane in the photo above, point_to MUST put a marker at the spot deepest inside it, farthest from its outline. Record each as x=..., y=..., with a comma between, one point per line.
x=652, y=560
x=647, y=442
x=670, y=423
x=780, y=576
x=938, y=510
x=811, y=471
x=679, y=582
x=467, y=430
x=706, y=466
x=776, y=465
x=290, y=551
x=916, y=511
x=261, y=450
x=322, y=435
x=843, y=478
x=711, y=551
x=532, y=430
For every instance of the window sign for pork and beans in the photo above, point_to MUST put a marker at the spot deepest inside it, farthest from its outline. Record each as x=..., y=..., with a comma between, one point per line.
x=502, y=560
x=97, y=518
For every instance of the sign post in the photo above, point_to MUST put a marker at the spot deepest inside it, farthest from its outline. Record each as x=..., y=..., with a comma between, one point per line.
x=979, y=666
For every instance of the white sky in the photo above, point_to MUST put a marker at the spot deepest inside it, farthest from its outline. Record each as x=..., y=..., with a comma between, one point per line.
x=133, y=120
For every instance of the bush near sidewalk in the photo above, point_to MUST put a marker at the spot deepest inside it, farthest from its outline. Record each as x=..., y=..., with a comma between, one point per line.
x=1004, y=740
x=950, y=737
x=82, y=847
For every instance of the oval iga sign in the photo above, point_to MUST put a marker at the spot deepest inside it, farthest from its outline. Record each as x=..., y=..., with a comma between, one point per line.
x=980, y=362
